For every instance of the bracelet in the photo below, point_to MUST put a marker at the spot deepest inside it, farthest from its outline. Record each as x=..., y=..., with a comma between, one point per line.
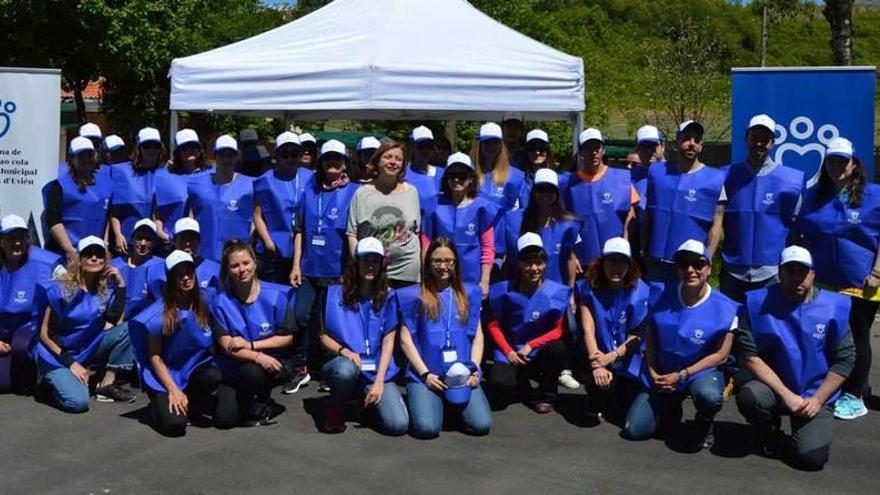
x=253, y=346
x=425, y=375
x=339, y=352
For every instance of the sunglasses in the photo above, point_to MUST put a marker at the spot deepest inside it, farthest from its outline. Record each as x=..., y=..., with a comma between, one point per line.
x=536, y=148
x=697, y=263
x=457, y=176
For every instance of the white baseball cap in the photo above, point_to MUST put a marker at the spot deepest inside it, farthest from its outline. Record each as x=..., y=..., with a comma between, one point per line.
x=840, y=147
x=368, y=143
x=286, y=137
x=184, y=136
x=148, y=134
x=546, y=176
x=307, y=138
x=332, y=146
x=796, y=254
x=113, y=142
x=763, y=120
x=648, y=133
x=12, y=222
x=177, y=257
x=459, y=158
x=617, y=245
x=689, y=123
x=527, y=240
x=90, y=130
x=589, y=135
x=186, y=224
x=89, y=241
x=370, y=245
x=513, y=116
x=145, y=222
x=537, y=134
x=422, y=133
x=694, y=247
x=489, y=130
x=225, y=142
x=80, y=144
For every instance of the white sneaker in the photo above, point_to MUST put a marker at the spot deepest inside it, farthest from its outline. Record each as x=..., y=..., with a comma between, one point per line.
x=568, y=381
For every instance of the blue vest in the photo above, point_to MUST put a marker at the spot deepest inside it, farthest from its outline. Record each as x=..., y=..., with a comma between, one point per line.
x=359, y=328
x=797, y=340
x=182, y=352
x=681, y=206
x=505, y=197
x=171, y=196
x=256, y=321
x=133, y=195
x=18, y=288
x=463, y=226
x=224, y=211
x=616, y=314
x=85, y=213
x=80, y=321
x=522, y=317
x=428, y=187
x=207, y=275
x=430, y=336
x=324, y=229
x=279, y=198
x=682, y=336
x=603, y=205
x=137, y=286
x=843, y=240
x=639, y=176
x=759, y=213
x=559, y=238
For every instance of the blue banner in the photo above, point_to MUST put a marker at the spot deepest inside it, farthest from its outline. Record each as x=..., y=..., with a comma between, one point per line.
x=811, y=106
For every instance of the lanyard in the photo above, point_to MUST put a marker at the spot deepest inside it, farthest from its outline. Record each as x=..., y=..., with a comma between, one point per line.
x=449, y=305
x=365, y=322
x=320, y=211
x=618, y=306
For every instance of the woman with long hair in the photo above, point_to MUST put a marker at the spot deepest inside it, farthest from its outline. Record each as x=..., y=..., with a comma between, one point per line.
x=364, y=151
x=442, y=338
x=187, y=163
x=537, y=156
x=360, y=329
x=840, y=223
x=80, y=317
x=173, y=343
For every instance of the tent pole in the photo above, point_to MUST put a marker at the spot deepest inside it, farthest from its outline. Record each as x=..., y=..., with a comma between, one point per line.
x=172, y=130
x=577, y=125
x=450, y=131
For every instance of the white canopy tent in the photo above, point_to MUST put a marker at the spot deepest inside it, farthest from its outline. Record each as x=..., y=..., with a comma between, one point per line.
x=384, y=60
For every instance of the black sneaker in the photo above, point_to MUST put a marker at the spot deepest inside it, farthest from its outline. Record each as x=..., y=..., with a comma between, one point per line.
x=300, y=379
x=114, y=393
x=704, y=435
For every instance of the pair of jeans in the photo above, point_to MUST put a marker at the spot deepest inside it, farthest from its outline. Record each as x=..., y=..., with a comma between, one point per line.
x=70, y=394
x=200, y=391
x=309, y=309
x=546, y=365
x=239, y=398
x=427, y=407
x=346, y=384
x=17, y=370
x=736, y=289
x=650, y=407
x=861, y=317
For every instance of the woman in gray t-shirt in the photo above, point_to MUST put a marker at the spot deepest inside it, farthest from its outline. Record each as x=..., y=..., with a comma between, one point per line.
x=388, y=208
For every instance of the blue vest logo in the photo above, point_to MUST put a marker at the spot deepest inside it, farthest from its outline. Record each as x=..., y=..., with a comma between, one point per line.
x=265, y=328
x=853, y=217
x=102, y=308
x=607, y=199
x=499, y=191
x=768, y=199
x=145, y=290
x=8, y=109
x=622, y=319
x=207, y=331
x=698, y=337
x=203, y=284
x=820, y=331
x=691, y=195
x=334, y=213
x=471, y=229
x=21, y=297
x=536, y=315
x=802, y=138
x=233, y=205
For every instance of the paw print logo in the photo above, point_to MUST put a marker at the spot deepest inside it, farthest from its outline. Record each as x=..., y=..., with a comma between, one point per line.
x=233, y=205
x=6, y=110
x=607, y=198
x=802, y=145
x=536, y=315
x=471, y=229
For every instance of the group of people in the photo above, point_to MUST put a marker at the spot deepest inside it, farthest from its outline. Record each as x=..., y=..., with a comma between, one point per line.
x=209, y=288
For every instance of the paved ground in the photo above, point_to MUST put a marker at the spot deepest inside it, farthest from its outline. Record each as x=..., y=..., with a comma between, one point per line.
x=109, y=451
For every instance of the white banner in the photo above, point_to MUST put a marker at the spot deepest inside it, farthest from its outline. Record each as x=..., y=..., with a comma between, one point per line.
x=30, y=121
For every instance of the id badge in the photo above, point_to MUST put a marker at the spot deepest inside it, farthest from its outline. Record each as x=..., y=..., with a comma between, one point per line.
x=319, y=240
x=368, y=364
x=450, y=356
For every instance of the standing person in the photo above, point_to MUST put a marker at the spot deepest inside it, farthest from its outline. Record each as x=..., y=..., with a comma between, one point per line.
x=253, y=159
x=650, y=149
x=222, y=201
x=114, y=150
x=134, y=187
x=466, y=219
x=76, y=203
x=527, y=325
x=364, y=150
x=173, y=341
x=513, y=127
x=763, y=200
x=93, y=133
x=794, y=339
x=687, y=341
x=22, y=268
x=135, y=267
x=172, y=182
x=538, y=156
x=277, y=195
x=319, y=250
x=443, y=341
x=361, y=330
x=308, y=157
x=187, y=238
x=253, y=325
x=420, y=172
x=612, y=307
x=685, y=201
x=80, y=317
x=388, y=209
x=841, y=225
x=603, y=197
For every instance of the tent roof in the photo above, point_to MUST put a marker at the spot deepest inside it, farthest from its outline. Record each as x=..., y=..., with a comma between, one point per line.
x=384, y=59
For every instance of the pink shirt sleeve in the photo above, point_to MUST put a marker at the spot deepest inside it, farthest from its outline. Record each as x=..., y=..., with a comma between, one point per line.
x=487, y=246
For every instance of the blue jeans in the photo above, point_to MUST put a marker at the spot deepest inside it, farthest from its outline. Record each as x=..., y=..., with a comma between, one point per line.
x=309, y=310
x=70, y=394
x=345, y=381
x=426, y=411
x=649, y=407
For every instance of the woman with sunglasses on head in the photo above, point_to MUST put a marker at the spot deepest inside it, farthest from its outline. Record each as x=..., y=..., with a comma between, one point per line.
x=173, y=343
x=840, y=222
x=172, y=181
x=80, y=318
x=361, y=330
x=254, y=326
x=465, y=218
x=277, y=195
x=442, y=338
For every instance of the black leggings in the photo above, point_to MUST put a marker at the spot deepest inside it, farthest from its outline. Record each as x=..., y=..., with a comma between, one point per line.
x=203, y=383
x=861, y=316
x=239, y=398
x=550, y=360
